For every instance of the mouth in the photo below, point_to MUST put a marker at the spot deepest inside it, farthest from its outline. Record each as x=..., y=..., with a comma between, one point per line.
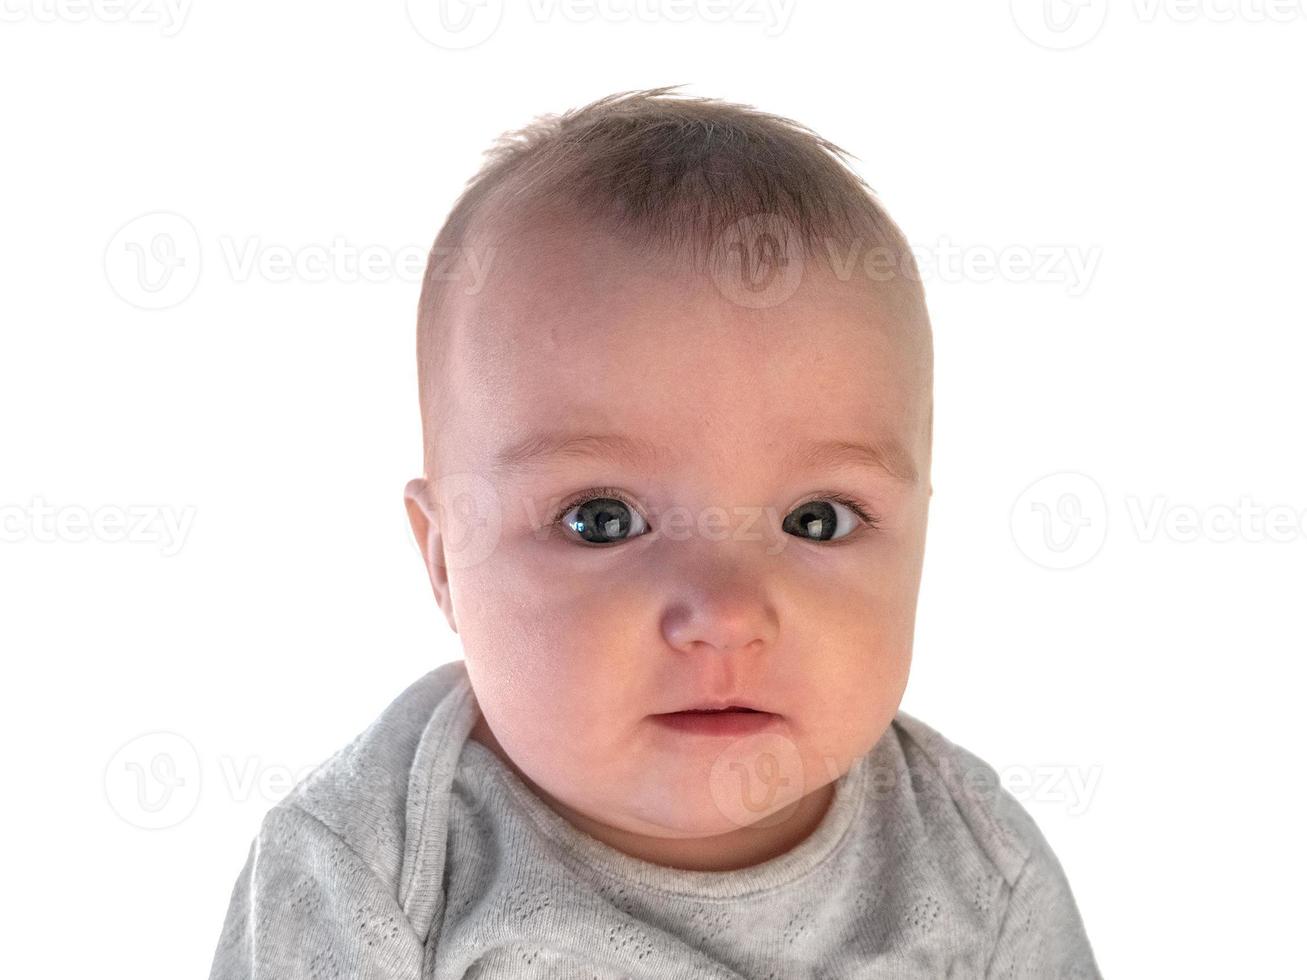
x=729, y=707
x=726, y=721
x=736, y=702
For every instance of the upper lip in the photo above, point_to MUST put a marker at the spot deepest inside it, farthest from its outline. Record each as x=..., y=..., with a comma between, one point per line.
x=717, y=704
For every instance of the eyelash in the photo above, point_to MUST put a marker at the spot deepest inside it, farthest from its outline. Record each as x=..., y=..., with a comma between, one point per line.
x=864, y=513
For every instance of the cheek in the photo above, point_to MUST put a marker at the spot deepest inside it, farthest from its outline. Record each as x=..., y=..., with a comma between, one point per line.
x=852, y=650
x=557, y=654
x=857, y=702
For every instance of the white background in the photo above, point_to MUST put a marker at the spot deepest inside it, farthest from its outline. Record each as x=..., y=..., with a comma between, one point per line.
x=1138, y=626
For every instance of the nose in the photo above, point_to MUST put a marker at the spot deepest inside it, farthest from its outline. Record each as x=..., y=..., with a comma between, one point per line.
x=720, y=616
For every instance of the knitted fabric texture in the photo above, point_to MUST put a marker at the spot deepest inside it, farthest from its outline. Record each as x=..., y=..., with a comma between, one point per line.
x=414, y=853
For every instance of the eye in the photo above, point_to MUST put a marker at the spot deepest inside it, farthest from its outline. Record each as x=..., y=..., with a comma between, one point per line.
x=821, y=519
x=600, y=519
x=603, y=517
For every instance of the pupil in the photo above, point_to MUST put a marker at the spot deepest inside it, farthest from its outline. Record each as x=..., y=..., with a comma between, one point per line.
x=814, y=520
x=602, y=520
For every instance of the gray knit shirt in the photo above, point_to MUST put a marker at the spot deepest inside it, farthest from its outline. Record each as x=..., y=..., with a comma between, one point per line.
x=414, y=852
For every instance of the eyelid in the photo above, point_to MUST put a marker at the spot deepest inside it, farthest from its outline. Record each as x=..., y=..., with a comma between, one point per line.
x=864, y=512
x=594, y=492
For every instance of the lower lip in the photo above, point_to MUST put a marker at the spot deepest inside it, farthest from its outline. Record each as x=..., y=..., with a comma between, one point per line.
x=722, y=723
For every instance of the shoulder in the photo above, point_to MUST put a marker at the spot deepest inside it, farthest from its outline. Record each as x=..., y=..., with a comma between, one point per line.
x=361, y=792
x=961, y=797
x=971, y=822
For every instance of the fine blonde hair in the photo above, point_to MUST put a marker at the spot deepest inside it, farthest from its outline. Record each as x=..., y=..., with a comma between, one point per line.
x=665, y=172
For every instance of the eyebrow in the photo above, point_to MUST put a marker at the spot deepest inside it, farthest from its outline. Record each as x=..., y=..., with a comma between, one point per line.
x=540, y=449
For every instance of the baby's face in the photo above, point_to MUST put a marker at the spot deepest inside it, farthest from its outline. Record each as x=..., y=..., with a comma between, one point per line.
x=704, y=550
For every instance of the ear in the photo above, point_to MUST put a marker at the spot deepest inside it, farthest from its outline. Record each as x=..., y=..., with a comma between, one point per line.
x=422, y=516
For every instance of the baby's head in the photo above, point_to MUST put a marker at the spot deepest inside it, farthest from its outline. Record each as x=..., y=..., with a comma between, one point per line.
x=675, y=371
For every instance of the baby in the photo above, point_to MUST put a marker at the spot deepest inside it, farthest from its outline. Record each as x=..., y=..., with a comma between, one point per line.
x=675, y=376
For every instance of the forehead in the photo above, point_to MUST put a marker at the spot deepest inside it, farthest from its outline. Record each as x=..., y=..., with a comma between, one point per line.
x=574, y=333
